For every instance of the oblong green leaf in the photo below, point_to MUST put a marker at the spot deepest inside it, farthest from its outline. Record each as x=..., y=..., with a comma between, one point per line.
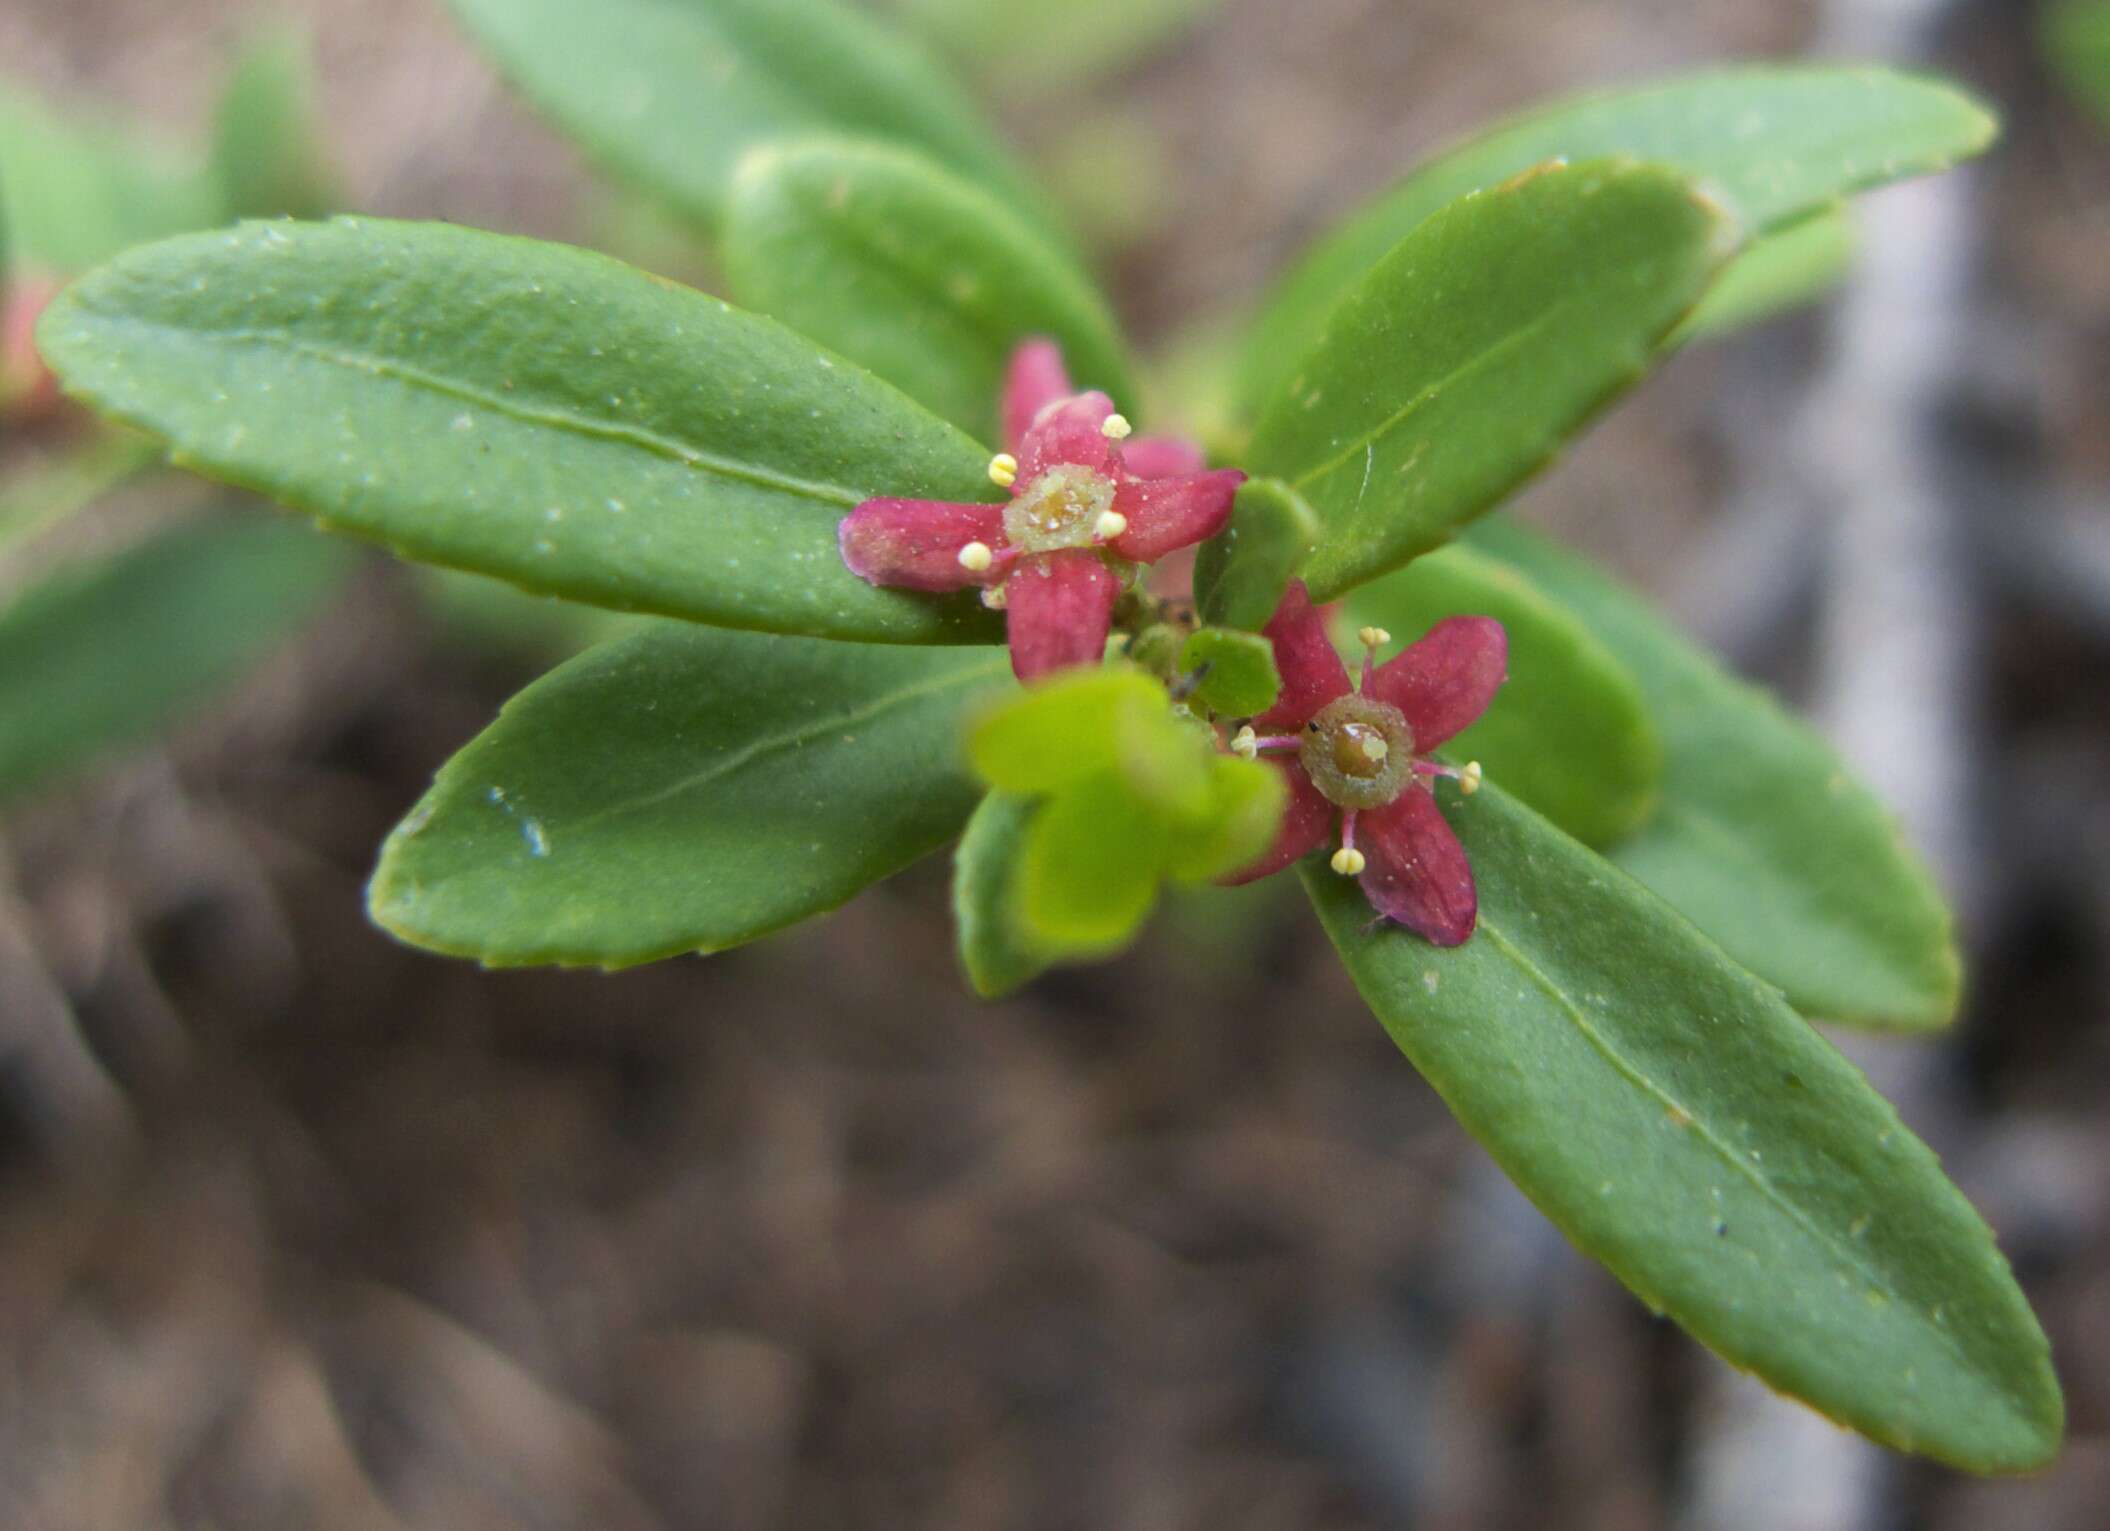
x=1569, y=732
x=1779, y=272
x=1763, y=837
x=1088, y=876
x=925, y=278
x=683, y=789
x=1077, y=38
x=1236, y=670
x=267, y=154
x=1776, y=144
x=1493, y=331
x=1681, y=1124
x=105, y=654
x=1240, y=574
x=524, y=410
x=994, y=949
x=672, y=92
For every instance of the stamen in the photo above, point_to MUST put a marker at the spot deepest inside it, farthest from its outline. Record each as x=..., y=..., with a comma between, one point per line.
x=1373, y=637
x=994, y=598
x=1245, y=744
x=976, y=557
x=1003, y=470
x=1116, y=428
x=1469, y=778
x=1374, y=748
x=1278, y=742
x=1349, y=862
x=1111, y=523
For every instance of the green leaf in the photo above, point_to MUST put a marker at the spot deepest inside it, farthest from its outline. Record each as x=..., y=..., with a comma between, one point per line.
x=1491, y=333
x=1240, y=574
x=1682, y=1125
x=1089, y=874
x=994, y=949
x=1062, y=43
x=1569, y=732
x=65, y=484
x=925, y=278
x=671, y=93
x=1781, y=271
x=1246, y=800
x=266, y=153
x=1776, y=145
x=1240, y=680
x=107, y=654
x=2076, y=40
x=523, y=410
x=72, y=195
x=1061, y=730
x=1763, y=838
x=683, y=789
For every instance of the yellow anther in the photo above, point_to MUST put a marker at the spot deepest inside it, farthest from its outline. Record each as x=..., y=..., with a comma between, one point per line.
x=994, y=598
x=1374, y=748
x=1349, y=862
x=1374, y=638
x=1116, y=428
x=1003, y=470
x=1469, y=778
x=1245, y=744
x=975, y=557
x=1111, y=524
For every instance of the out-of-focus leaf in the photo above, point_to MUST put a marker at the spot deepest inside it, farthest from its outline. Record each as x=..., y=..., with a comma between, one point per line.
x=1781, y=271
x=2076, y=39
x=672, y=92
x=925, y=278
x=72, y=195
x=523, y=410
x=105, y=654
x=1089, y=872
x=994, y=949
x=1237, y=669
x=1681, y=1124
x=69, y=482
x=493, y=616
x=1246, y=800
x=684, y=789
x=1465, y=358
x=1762, y=836
x=1063, y=730
x=1240, y=574
x=1039, y=48
x=1775, y=144
x=266, y=152
x=1569, y=732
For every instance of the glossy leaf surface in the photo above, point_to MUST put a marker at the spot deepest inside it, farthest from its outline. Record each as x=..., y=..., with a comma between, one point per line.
x=1237, y=671
x=1240, y=574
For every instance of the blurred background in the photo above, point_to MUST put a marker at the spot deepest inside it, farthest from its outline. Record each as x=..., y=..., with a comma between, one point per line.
x=299, y=1228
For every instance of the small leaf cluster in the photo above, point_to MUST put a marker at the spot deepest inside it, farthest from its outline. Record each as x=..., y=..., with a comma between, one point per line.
x=1675, y=876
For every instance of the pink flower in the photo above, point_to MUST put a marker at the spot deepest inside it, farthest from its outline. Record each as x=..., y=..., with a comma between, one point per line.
x=1087, y=504
x=1361, y=751
x=29, y=394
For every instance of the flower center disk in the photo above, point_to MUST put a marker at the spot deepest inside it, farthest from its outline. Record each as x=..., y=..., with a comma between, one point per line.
x=1358, y=752
x=1060, y=509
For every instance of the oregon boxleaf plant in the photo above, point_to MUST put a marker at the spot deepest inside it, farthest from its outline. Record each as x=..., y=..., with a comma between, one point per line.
x=915, y=542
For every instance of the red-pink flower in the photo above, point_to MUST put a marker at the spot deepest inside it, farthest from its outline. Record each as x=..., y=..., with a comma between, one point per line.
x=1360, y=751
x=1087, y=504
x=29, y=394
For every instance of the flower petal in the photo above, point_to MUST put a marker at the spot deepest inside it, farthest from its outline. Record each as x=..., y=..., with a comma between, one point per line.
x=1070, y=432
x=1035, y=379
x=1445, y=681
x=1312, y=672
x=1059, y=608
x=1417, y=873
x=1161, y=457
x=1306, y=824
x=1168, y=513
x=915, y=544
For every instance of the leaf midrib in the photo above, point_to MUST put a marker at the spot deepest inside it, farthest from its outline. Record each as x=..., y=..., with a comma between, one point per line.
x=769, y=744
x=1696, y=1123
x=552, y=418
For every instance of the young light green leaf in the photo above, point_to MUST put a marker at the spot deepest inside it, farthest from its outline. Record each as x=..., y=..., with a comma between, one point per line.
x=919, y=275
x=1065, y=42
x=1775, y=144
x=267, y=155
x=523, y=410
x=1240, y=574
x=104, y=655
x=1781, y=271
x=1237, y=670
x=1681, y=1124
x=1246, y=800
x=73, y=195
x=1491, y=333
x=683, y=789
x=1762, y=837
x=1569, y=732
x=1093, y=858
x=1062, y=730
x=671, y=93
x=994, y=948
